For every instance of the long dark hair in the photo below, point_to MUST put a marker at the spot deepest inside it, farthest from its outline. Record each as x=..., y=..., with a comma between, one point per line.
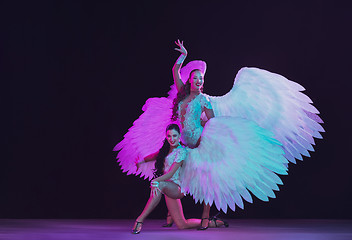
x=182, y=94
x=163, y=152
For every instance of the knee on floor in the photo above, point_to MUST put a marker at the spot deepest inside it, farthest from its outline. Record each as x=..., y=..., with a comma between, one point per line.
x=181, y=225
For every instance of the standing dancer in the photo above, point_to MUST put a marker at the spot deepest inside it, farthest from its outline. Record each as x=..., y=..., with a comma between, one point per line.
x=188, y=107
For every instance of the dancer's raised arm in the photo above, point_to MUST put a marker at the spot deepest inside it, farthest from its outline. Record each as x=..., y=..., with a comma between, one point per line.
x=176, y=69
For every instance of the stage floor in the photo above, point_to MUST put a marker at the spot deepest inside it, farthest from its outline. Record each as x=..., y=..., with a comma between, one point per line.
x=258, y=229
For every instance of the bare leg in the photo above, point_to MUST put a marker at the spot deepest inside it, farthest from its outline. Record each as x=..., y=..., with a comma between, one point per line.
x=171, y=189
x=169, y=220
x=176, y=211
x=205, y=217
x=149, y=207
x=173, y=195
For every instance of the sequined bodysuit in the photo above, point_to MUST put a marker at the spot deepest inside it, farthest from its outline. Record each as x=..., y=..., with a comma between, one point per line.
x=177, y=155
x=189, y=114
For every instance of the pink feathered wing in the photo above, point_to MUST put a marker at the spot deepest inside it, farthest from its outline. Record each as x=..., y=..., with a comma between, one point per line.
x=145, y=137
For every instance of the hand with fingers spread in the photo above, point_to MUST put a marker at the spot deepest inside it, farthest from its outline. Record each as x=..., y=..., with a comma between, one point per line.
x=154, y=185
x=181, y=48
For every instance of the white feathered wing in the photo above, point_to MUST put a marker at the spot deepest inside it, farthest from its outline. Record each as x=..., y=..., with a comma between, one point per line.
x=235, y=154
x=276, y=104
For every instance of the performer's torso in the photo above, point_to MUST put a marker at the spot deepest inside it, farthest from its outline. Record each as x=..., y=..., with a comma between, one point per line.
x=189, y=113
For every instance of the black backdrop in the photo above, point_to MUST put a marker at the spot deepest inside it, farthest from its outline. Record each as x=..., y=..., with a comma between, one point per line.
x=76, y=75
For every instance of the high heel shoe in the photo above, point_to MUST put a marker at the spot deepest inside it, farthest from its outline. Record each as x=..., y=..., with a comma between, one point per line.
x=136, y=228
x=168, y=217
x=215, y=218
x=201, y=224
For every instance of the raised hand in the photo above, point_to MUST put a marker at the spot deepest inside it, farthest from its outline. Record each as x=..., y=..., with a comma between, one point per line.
x=181, y=48
x=176, y=69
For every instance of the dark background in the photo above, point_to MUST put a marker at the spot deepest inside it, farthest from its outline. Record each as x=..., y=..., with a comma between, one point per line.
x=76, y=75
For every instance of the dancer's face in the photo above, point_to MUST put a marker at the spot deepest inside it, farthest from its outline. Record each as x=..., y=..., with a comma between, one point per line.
x=196, y=80
x=173, y=137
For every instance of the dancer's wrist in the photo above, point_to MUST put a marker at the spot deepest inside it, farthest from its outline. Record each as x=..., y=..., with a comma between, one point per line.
x=154, y=184
x=138, y=163
x=181, y=58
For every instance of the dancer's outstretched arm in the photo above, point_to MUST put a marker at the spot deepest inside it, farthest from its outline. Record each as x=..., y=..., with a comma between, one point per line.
x=176, y=69
x=149, y=158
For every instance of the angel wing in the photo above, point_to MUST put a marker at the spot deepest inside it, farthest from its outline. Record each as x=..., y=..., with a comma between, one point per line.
x=145, y=137
x=276, y=104
x=235, y=156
